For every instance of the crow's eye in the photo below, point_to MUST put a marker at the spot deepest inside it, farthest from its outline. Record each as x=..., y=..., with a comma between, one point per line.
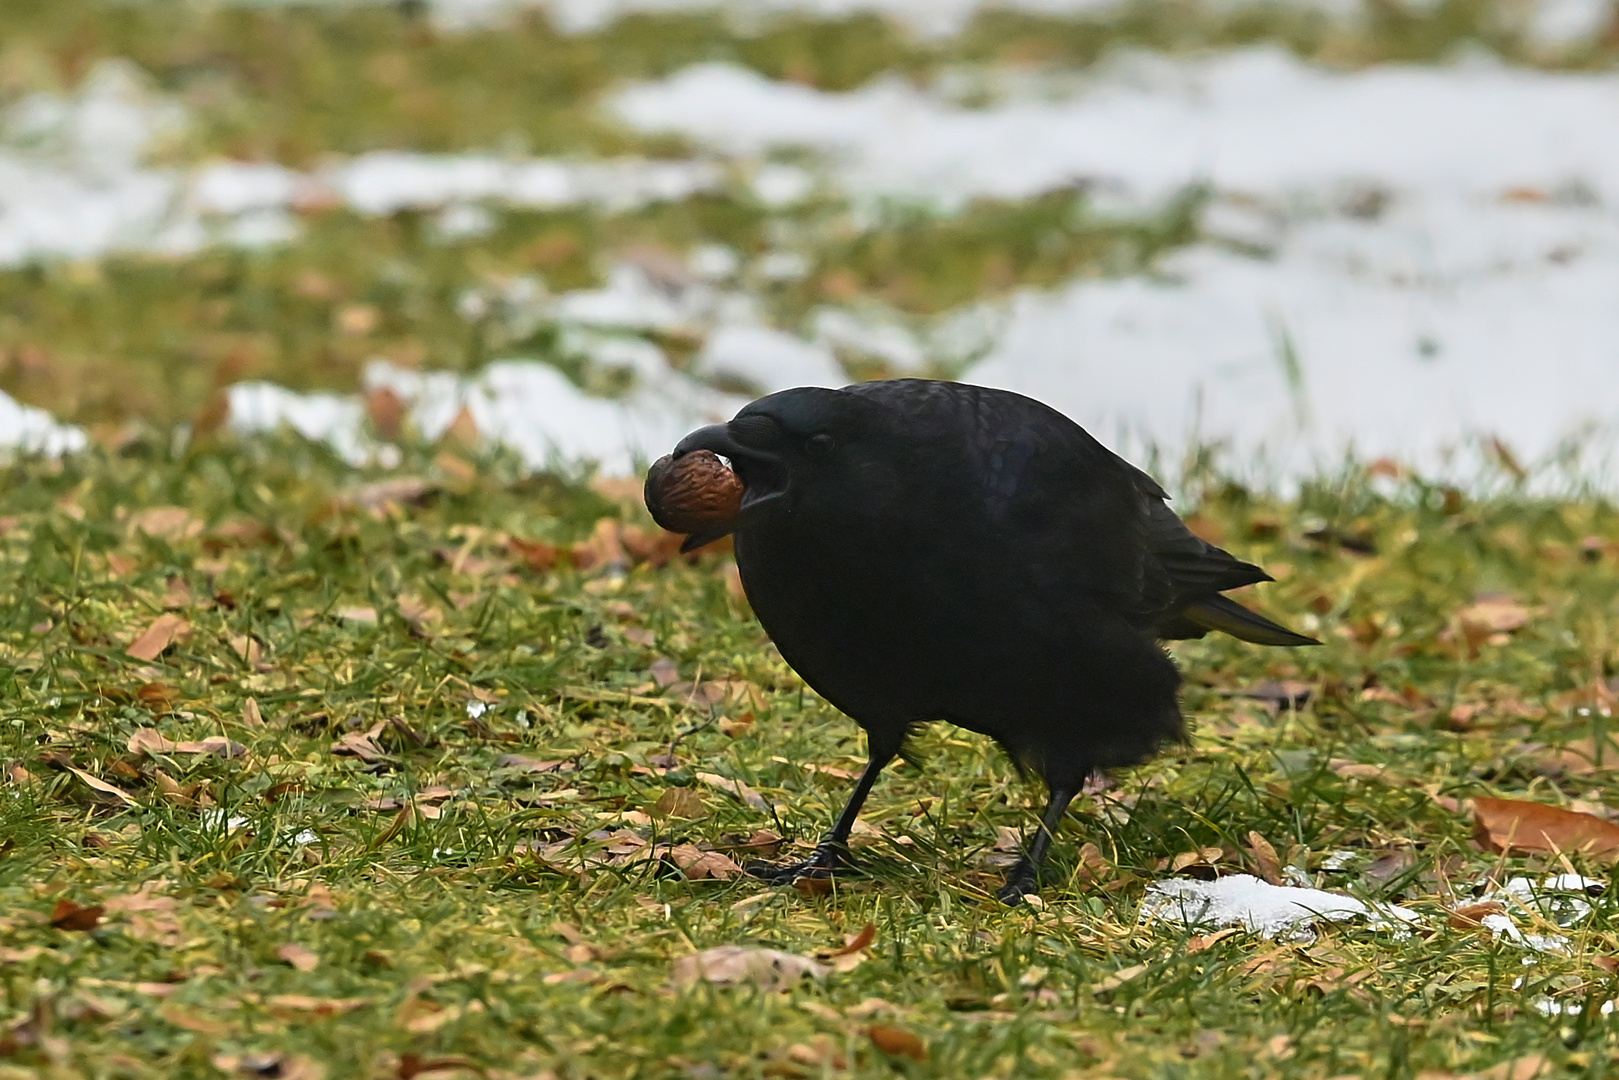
x=819, y=445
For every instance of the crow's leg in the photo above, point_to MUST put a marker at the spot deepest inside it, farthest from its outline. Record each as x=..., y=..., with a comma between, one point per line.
x=1024, y=878
x=831, y=853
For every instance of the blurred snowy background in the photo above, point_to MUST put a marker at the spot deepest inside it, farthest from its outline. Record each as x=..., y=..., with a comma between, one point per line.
x=1293, y=229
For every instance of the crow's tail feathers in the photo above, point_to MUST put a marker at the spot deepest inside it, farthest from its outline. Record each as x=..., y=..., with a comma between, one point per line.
x=1226, y=615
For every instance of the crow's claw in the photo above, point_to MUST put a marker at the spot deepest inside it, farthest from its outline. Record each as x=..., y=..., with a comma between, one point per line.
x=1023, y=880
x=827, y=860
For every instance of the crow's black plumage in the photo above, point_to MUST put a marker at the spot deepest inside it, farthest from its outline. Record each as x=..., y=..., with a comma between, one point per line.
x=924, y=550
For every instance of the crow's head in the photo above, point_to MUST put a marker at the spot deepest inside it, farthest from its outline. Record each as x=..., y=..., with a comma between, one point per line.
x=784, y=445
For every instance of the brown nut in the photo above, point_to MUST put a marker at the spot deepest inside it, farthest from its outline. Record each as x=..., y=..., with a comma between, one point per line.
x=695, y=493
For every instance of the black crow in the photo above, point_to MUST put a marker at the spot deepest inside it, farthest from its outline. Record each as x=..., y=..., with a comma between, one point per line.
x=924, y=550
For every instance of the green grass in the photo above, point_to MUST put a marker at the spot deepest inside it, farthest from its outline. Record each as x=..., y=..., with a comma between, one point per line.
x=447, y=937
x=430, y=899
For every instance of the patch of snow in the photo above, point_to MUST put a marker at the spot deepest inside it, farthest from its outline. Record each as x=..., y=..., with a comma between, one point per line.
x=1267, y=910
x=528, y=406
x=32, y=431
x=1402, y=261
x=768, y=359
x=1561, y=24
x=1254, y=120
x=927, y=18
x=75, y=182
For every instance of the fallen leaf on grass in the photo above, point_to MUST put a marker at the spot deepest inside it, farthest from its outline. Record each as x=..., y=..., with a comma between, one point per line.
x=736, y=788
x=187, y=1018
x=1524, y=1068
x=68, y=915
x=412, y=1065
x=1510, y=826
x=167, y=523
x=731, y=965
x=679, y=802
x=280, y=1066
x=698, y=864
x=152, y=916
x=101, y=787
x=1472, y=916
x=151, y=741
x=299, y=956
x=1266, y=863
x=295, y=1005
x=1495, y=613
x=1208, y=941
x=362, y=744
x=364, y=615
x=664, y=672
x=897, y=1042
x=528, y=764
x=164, y=631
x=853, y=952
x=1118, y=978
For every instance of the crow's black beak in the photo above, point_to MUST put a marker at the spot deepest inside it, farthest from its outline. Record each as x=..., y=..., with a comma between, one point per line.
x=718, y=438
x=763, y=477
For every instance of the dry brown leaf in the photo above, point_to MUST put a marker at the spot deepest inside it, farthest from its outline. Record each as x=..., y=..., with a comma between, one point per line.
x=528, y=764
x=167, y=523
x=251, y=717
x=177, y=594
x=152, y=917
x=1510, y=826
x=362, y=744
x=853, y=952
x=1525, y=1068
x=164, y=631
x=813, y=886
x=187, y=1018
x=397, y=491
x=1495, y=613
x=1266, y=863
x=736, y=788
x=299, y=956
x=296, y=1004
x=819, y=1053
x=897, y=1042
x=363, y=614
x=101, y=786
x=1209, y=856
x=730, y=965
x=1472, y=916
x=1208, y=941
x=534, y=554
x=281, y=1066
x=664, y=671
x=1118, y=978
x=604, y=548
x=149, y=741
x=386, y=410
x=679, y=802
x=698, y=864
x=68, y=915
x=424, y=619
x=1389, y=865
x=413, y=1065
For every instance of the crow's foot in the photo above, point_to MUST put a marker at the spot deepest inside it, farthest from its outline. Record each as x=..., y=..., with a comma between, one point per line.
x=1023, y=880
x=828, y=859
